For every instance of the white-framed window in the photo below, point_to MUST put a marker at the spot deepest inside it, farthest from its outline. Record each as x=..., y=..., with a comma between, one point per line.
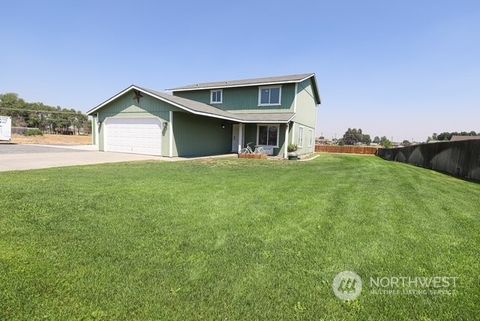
x=310, y=138
x=216, y=96
x=300, y=136
x=268, y=135
x=270, y=96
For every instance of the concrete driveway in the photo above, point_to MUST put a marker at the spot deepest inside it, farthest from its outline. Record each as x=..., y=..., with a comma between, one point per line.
x=24, y=157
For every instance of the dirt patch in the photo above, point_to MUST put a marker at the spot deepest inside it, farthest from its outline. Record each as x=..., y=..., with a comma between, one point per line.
x=53, y=139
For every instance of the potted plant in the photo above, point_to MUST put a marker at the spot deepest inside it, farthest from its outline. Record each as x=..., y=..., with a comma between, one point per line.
x=292, y=155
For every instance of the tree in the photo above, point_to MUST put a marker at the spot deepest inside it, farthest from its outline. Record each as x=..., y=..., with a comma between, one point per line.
x=444, y=136
x=353, y=136
x=366, y=139
x=385, y=142
x=406, y=143
x=448, y=135
x=376, y=140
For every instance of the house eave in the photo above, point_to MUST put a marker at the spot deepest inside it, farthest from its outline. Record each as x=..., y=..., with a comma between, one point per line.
x=196, y=112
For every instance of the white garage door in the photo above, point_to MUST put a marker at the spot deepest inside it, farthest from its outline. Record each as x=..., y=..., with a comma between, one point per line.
x=133, y=135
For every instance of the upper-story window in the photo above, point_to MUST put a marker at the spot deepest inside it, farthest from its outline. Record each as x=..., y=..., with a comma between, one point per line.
x=269, y=96
x=216, y=96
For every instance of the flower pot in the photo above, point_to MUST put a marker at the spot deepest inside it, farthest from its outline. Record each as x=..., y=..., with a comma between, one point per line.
x=292, y=156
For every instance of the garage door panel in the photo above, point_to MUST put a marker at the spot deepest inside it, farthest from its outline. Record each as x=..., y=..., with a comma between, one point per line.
x=134, y=135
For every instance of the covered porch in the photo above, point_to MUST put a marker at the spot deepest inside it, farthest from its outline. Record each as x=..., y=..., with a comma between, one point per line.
x=272, y=137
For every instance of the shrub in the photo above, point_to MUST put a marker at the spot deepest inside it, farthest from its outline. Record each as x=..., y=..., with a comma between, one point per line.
x=292, y=148
x=33, y=132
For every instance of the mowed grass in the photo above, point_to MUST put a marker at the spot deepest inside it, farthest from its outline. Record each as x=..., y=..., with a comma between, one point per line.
x=234, y=240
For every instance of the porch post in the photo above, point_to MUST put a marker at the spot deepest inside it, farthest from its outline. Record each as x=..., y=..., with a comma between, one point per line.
x=285, y=148
x=170, y=135
x=240, y=137
x=293, y=133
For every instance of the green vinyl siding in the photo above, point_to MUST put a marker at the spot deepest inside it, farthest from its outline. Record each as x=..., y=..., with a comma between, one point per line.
x=305, y=116
x=250, y=134
x=306, y=110
x=243, y=99
x=308, y=132
x=126, y=106
x=200, y=136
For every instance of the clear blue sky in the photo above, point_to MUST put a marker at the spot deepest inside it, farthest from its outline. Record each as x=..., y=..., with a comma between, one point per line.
x=403, y=69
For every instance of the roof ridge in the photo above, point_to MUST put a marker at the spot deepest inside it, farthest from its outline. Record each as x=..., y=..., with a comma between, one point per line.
x=246, y=81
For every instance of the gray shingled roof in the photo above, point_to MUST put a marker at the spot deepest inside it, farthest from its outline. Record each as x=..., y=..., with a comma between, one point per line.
x=244, y=82
x=204, y=109
x=190, y=104
x=269, y=117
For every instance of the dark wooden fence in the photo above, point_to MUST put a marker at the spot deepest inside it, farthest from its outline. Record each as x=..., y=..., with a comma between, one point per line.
x=460, y=159
x=346, y=149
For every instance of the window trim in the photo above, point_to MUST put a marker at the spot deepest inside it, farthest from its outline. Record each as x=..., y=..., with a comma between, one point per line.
x=300, y=137
x=269, y=87
x=211, y=96
x=269, y=125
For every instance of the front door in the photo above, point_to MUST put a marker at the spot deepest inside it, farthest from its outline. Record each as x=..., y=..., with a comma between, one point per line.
x=235, y=137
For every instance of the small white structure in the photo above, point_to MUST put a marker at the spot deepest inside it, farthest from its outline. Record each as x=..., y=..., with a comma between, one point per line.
x=5, y=128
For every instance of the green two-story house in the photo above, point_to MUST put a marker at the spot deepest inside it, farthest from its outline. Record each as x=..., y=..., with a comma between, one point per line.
x=211, y=118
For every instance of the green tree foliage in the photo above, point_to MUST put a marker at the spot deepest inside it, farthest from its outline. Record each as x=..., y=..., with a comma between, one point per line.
x=355, y=136
x=406, y=143
x=366, y=139
x=385, y=142
x=46, y=118
x=448, y=135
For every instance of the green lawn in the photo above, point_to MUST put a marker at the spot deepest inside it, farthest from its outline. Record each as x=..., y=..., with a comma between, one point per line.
x=234, y=240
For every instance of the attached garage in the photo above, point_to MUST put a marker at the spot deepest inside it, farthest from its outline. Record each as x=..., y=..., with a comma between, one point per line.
x=133, y=135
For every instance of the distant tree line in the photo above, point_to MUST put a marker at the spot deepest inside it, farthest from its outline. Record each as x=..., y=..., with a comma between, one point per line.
x=448, y=135
x=48, y=119
x=355, y=136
